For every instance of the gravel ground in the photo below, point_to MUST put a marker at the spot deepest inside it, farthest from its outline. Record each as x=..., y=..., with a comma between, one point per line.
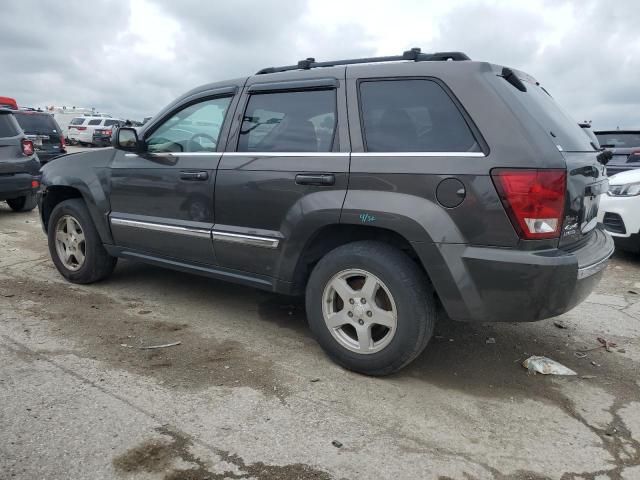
x=249, y=394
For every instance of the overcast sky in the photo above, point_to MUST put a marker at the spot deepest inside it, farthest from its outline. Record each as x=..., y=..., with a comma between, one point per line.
x=131, y=57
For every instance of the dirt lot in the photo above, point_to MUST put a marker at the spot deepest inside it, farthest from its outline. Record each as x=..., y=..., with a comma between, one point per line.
x=248, y=393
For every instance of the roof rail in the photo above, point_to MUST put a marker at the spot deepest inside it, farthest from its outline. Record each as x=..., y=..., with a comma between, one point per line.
x=413, y=55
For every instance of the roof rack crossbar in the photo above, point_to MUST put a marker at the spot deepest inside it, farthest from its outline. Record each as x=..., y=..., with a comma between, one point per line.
x=412, y=55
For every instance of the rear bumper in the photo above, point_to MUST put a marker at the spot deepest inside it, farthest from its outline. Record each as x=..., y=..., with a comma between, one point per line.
x=16, y=185
x=488, y=284
x=102, y=140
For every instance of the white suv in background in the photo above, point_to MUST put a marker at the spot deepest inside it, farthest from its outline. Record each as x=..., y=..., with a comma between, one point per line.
x=82, y=129
x=620, y=210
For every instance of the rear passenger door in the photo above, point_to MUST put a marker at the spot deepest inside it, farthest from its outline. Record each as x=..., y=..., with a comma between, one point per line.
x=284, y=172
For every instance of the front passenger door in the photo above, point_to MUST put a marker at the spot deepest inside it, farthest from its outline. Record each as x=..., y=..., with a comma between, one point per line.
x=162, y=199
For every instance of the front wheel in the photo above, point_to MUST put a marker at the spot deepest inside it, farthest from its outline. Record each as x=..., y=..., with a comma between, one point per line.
x=75, y=246
x=23, y=204
x=370, y=307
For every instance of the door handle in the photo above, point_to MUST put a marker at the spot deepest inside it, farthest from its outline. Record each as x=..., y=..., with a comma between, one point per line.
x=194, y=176
x=320, y=179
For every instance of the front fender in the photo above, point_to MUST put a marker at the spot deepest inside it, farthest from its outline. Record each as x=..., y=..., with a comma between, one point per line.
x=88, y=174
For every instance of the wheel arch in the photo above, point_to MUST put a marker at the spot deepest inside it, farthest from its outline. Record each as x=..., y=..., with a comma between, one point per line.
x=329, y=237
x=55, y=194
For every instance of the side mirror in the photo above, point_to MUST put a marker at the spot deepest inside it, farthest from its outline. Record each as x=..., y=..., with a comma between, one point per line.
x=126, y=138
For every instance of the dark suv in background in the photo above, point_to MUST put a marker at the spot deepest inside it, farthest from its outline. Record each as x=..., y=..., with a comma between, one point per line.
x=625, y=147
x=19, y=165
x=43, y=130
x=382, y=188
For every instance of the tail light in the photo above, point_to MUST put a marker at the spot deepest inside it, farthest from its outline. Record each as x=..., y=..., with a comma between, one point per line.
x=533, y=199
x=62, y=144
x=27, y=147
x=634, y=156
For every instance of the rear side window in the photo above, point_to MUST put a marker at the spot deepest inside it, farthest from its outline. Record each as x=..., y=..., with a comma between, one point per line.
x=412, y=116
x=77, y=121
x=94, y=122
x=37, y=124
x=8, y=127
x=302, y=121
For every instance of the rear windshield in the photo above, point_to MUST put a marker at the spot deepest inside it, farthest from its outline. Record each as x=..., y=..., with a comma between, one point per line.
x=7, y=126
x=77, y=121
x=37, y=124
x=619, y=139
x=95, y=122
x=563, y=130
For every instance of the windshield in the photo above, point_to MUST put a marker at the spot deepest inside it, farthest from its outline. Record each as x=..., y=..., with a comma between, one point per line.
x=34, y=124
x=619, y=139
x=563, y=130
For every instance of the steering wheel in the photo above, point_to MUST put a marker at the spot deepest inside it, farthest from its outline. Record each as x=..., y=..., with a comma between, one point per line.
x=198, y=145
x=168, y=145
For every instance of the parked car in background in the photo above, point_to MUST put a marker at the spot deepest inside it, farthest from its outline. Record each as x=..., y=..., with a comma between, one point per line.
x=8, y=102
x=102, y=135
x=381, y=188
x=82, y=130
x=625, y=147
x=64, y=115
x=620, y=210
x=45, y=133
x=19, y=165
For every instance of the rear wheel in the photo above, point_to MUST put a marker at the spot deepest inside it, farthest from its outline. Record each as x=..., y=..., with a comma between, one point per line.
x=23, y=204
x=75, y=246
x=370, y=307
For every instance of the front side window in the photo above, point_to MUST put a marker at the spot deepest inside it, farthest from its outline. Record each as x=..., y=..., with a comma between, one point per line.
x=195, y=128
x=302, y=121
x=412, y=116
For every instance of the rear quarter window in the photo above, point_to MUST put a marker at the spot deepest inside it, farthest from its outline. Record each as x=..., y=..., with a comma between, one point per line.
x=8, y=126
x=413, y=115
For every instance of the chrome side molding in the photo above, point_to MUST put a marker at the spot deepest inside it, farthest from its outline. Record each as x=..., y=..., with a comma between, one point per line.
x=243, y=239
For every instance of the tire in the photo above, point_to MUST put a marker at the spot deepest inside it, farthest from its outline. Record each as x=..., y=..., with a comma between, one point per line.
x=96, y=263
x=400, y=286
x=23, y=204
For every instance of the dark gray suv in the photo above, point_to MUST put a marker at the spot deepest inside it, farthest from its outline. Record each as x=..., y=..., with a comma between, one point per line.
x=381, y=188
